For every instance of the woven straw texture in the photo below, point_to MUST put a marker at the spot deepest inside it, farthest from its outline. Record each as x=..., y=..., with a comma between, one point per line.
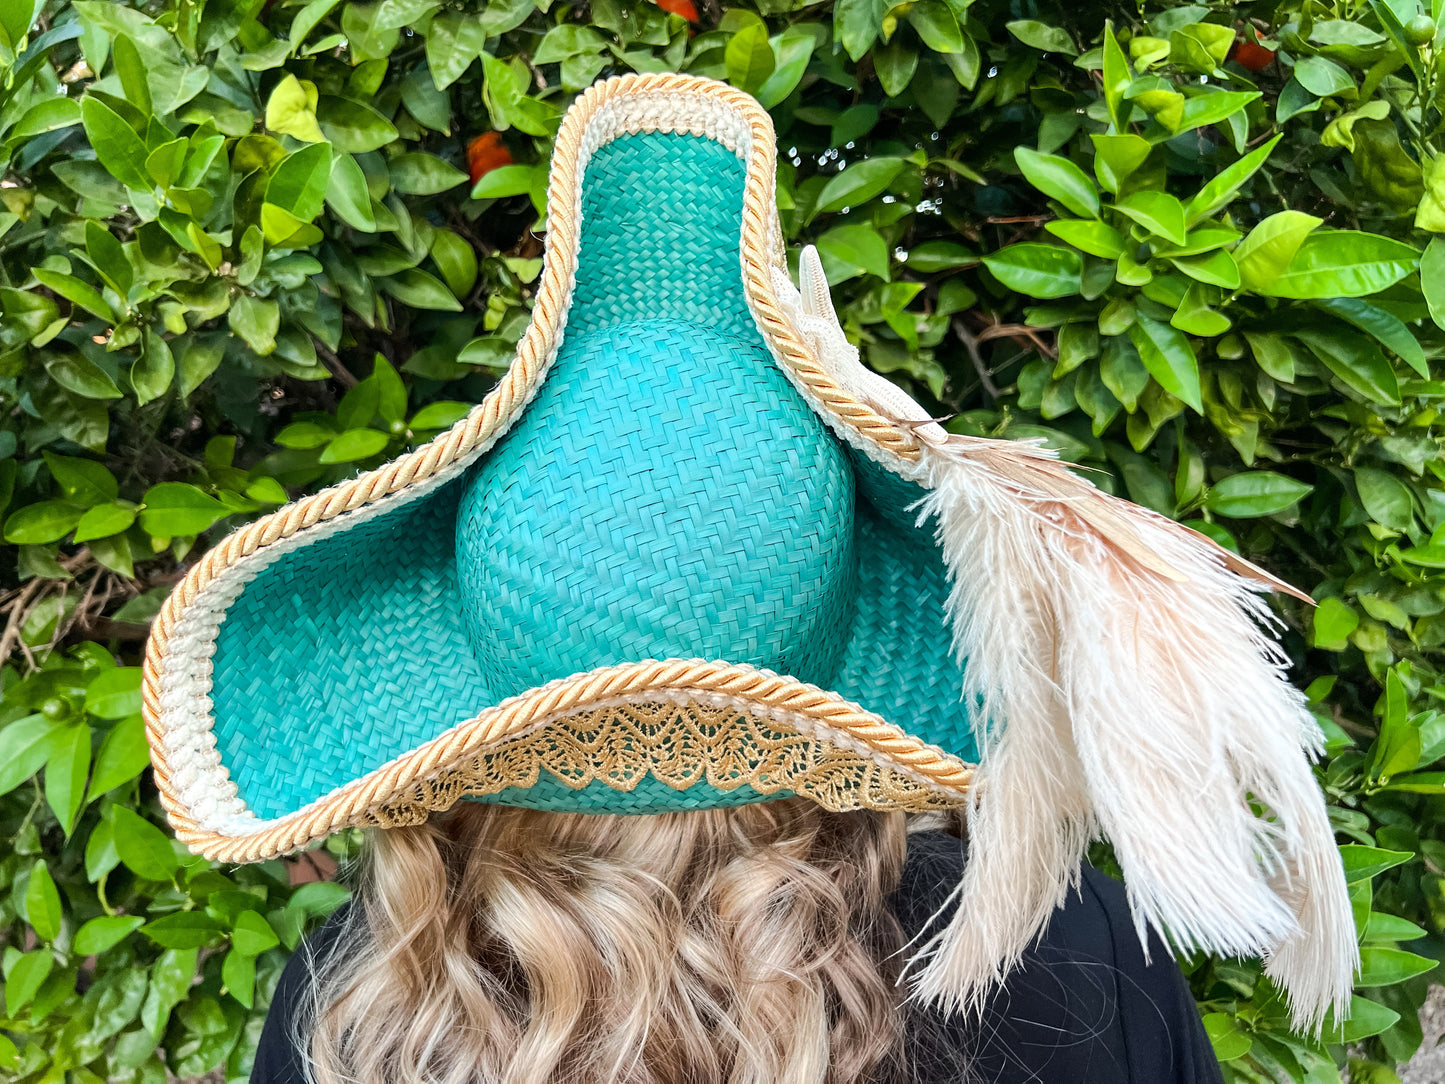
x=667, y=493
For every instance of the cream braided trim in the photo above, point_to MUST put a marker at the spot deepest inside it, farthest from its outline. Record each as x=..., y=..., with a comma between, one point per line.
x=787, y=703
x=176, y=681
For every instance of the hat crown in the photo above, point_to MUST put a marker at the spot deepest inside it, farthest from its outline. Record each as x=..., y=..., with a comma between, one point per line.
x=668, y=495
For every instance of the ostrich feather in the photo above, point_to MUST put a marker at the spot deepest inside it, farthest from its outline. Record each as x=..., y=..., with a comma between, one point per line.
x=1126, y=685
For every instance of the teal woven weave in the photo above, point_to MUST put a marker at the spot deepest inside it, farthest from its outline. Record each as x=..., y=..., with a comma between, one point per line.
x=666, y=494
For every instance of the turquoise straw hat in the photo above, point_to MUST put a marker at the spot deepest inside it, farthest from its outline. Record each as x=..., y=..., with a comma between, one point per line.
x=689, y=553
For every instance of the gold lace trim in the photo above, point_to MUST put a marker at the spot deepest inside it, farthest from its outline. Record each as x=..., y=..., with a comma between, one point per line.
x=681, y=745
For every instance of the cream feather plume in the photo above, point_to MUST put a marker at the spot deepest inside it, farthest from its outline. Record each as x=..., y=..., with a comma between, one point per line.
x=1129, y=689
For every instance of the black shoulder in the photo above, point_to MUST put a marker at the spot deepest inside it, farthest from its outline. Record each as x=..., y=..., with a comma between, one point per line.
x=1087, y=1005
x=279, y=1059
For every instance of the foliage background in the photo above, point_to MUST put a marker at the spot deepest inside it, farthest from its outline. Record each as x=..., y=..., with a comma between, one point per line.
x=241, y=258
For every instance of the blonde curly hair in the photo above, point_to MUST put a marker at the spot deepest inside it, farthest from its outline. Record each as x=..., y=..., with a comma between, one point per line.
x=498, y=945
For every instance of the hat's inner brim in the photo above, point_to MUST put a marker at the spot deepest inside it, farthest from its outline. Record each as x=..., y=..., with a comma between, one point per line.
x=345, y=653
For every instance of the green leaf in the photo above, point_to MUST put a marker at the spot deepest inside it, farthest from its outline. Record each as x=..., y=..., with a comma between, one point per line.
x=1385, y=326
x=1060, y=179
x=176, y=508
x=1037, y=270
x=1386, y=498
x=937, y=26
x=1432, y=279
x=1266, y=252
x=23, y=981
x=858, y=183
x=46, y=115
x=567, y=40
x=78, y=374
x=153, y=371
x=1226, y=185
x=104, y=933
x=439, y=415
x=1116, y=79
x=42, y=903
x=1387, y=927
x=184, y=930
x=391, y=392
x=66, y=771
x=1251, y=494
x=1333, y=623
x=353, y=127
x=856, y=24
x=355, y=444
x=75, y=291
x=41, y=523
x=1356, y=360
x=895, y=65
x=291, y=110
x=24, y=746
x=1117, y=157
x=457, y=261
x=749, y=57
x=306, y=20
x=1362, y=863
x=1215, y=268
x=453, y=41
x=123, y=755
x=853, y=249
x=420, y=291
x=1166, y=353
x=238, y=973
x=1158, y=212
x=347, y=195
x=252, y=935
x=142, y=846
x=1090, y=235
x=1202, y=110
x=116, y=144
x=932, y=257
x=1381, y=966
x=1322, y=77
x=1226, y=1036
x=104, y=520
x=115, y=693
x=1365, y=1018
x=1049, y=39
x=200, y=358
x=256, y=320
x=83, y=481
x=423, y=174
x=300, y=181
x=504, y=181
x=1343, y=263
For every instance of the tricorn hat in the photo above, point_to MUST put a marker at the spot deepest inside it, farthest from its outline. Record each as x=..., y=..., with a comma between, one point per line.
x=690, y=553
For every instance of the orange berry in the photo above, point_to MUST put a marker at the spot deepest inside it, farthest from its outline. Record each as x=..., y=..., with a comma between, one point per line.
x=485, y=153
x=685, y=8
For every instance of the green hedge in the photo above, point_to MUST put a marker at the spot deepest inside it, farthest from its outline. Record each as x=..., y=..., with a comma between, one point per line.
x=241, y=258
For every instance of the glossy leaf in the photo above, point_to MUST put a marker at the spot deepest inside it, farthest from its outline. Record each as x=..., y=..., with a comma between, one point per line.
x=1166, y=353
x=1060, y=179
x=1343, y=263
x=1255, y=493
x=858, y=183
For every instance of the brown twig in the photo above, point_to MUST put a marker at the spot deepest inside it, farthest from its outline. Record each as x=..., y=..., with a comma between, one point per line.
x=970, y=344
x=343, y=376
x=1018, y=332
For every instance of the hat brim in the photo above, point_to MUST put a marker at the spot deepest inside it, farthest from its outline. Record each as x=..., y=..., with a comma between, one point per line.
x=278, y=715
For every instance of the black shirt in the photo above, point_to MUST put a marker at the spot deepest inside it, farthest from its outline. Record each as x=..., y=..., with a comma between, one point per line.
x=1083, y=1008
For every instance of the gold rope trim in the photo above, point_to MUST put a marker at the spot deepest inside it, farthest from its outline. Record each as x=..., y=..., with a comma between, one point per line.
x=833, y=721
x=498, y=409
x=680, y=745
